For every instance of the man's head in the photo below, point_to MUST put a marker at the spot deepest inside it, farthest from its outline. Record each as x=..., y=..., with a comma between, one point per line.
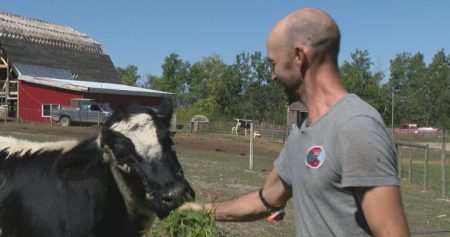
x=299, y=42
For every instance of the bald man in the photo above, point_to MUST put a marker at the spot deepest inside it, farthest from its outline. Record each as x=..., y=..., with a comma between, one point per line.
x=339, y=167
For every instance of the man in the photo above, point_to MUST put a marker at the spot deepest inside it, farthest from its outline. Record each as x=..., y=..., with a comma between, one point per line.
x=339, y=166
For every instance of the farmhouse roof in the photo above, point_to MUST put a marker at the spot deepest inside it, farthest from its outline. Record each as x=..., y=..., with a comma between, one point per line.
x=33, y=41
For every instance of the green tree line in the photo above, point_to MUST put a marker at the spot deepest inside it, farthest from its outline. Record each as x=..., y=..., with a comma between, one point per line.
x=414, y=91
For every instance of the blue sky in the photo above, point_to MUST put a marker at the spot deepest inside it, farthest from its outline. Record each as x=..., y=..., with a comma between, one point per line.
x=144, y=32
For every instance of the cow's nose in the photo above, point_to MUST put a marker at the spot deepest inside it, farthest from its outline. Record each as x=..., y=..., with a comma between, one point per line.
x=178, y=194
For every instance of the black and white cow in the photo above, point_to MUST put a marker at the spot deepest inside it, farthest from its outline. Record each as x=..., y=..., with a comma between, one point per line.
x=240, y=124
x=110, y=185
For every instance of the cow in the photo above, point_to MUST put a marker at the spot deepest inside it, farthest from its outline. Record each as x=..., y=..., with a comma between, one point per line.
x=240, y=124
x=114, y=184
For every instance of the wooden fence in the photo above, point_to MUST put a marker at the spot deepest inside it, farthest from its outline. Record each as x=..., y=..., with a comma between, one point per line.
x=419, y=160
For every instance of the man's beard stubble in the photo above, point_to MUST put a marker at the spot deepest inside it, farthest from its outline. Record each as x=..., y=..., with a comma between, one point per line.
x=293, y=94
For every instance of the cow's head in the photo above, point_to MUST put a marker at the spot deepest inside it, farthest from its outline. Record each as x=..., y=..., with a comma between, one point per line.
x=142, y=155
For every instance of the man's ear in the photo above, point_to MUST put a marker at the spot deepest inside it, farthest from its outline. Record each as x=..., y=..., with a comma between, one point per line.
x=300, y=56
x=301, y=59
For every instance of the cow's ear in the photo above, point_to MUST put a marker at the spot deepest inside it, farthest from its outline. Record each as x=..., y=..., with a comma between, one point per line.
x=79, y=163
x=165, y=110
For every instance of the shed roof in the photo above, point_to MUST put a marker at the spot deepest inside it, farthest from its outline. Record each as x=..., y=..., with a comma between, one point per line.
x=94, y=87
x=61, y=78
x=297, y=106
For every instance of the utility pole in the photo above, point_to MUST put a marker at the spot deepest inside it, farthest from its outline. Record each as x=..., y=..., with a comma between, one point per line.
x=392, y=110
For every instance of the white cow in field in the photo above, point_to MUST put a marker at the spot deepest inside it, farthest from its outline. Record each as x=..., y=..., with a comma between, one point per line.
x=240, y=124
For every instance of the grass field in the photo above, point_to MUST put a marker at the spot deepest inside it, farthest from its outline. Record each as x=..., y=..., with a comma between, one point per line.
x=217, y=167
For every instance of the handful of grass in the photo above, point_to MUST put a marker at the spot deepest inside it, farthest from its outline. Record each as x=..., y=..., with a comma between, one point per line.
x=186, y=223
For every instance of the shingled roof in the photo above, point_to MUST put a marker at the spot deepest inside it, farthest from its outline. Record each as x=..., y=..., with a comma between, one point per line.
x=38, y=42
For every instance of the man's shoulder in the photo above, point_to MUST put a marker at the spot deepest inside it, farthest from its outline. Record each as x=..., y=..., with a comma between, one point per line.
x=353, y=107
x=355, y=113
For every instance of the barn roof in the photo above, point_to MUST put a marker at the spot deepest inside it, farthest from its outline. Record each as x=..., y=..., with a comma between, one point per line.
x=33, y=41
x=61, y=78
x=45, y=33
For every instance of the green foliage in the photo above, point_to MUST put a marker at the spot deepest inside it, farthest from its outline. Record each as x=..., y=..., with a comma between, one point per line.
x=186, y=224
x=358, y=79
x=128, y=75
x=439, y=76
x=220, y=91
x=261, y=98
x=421, y=92
x=411, y=92
x=243, y=89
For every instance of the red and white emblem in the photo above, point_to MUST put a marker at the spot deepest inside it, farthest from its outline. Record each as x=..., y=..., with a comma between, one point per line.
x=315, y=157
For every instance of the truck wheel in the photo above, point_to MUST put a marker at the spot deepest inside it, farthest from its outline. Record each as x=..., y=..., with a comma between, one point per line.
x=65, y=121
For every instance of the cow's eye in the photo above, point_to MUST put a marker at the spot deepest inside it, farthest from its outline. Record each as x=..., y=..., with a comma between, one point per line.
x=124, y=168
x=180, y=172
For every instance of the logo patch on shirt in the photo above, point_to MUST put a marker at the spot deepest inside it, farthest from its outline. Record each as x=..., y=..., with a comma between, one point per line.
x=315, y=157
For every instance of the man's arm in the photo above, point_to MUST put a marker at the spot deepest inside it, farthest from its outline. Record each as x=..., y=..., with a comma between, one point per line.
x=248, y=207
x=383, y=209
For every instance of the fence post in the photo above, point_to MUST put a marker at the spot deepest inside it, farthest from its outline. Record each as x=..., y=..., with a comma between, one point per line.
x=443, y=171
x=410, y=165
x=6, y=112
x=250, y=165
x=399, y=155
x=425, y=169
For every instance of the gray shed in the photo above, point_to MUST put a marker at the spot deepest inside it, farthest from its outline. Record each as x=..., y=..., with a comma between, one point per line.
x=296, y=114
x=196, y=120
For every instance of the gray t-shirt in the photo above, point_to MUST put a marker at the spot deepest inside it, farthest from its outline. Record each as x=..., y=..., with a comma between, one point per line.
x=347, y=147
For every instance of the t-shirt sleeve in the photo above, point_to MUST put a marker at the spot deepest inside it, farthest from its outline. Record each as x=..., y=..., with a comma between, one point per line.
x=368, y=154
x=281, y=165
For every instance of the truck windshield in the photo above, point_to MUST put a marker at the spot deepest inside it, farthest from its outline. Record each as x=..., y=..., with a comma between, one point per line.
x=105, y=107
x=99, y=107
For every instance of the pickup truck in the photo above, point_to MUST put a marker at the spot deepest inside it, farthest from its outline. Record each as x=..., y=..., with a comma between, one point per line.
x=414, y=129
x=82, y=110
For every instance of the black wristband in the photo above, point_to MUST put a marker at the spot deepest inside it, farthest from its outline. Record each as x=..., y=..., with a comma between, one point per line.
x=269, y=207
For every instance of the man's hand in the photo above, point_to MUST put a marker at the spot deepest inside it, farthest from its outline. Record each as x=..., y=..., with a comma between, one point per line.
x=193, y=206
x=247, y=207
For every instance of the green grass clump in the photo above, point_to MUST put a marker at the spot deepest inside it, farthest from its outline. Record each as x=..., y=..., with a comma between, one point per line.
x=184, y=223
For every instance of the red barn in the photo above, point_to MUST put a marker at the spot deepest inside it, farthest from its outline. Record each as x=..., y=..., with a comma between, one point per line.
x=43, y=66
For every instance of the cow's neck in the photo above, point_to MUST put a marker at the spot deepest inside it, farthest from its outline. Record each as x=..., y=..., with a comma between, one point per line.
x=135, y=209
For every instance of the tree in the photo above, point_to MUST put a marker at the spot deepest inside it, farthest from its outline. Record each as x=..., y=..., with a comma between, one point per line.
x=358, y=79
x=208, y=84
x=174, y=78
x=438, y=73
x=261, y=98
x=128, y=75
